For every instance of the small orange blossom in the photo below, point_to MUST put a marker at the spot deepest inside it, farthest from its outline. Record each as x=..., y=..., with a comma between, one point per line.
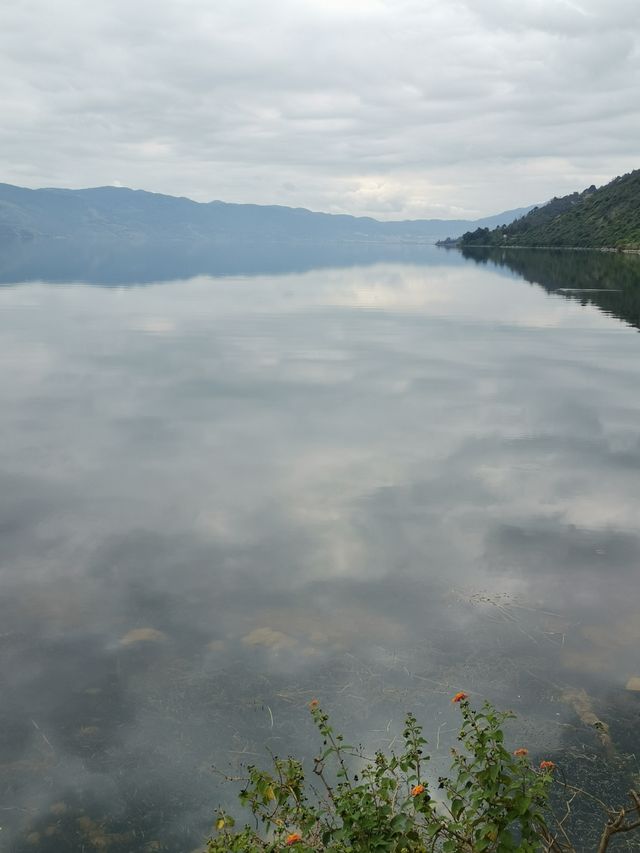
x=293, y=838
x=521, y=752
x=460, y=697
x=547, y=765
x=314, y=704
x=417, y=789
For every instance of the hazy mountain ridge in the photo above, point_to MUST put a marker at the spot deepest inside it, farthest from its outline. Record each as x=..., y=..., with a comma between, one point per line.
x=138, y=216
x=608, y=217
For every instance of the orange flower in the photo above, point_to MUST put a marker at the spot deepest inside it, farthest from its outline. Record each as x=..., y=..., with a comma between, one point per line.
x=521, y=752
x=417, y=789
x=547, y=765
x=293, y=838
x=314, y=704
x=460, y=697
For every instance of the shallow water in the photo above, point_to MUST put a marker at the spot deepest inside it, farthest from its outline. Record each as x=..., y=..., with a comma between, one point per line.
x=376, y=480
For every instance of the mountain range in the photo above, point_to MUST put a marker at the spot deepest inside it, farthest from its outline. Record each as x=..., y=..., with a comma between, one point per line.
x=137, y=216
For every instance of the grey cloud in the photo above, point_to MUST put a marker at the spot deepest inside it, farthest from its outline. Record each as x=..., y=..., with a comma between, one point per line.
x=392, y=108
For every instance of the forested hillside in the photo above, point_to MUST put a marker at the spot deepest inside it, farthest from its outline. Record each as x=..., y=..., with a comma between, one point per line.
x=608, y=217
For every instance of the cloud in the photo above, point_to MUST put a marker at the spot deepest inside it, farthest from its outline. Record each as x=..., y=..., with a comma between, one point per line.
x=385, y=107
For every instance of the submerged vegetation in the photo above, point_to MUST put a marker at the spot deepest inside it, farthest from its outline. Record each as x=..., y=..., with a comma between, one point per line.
x=492, y=798
x=608, y=217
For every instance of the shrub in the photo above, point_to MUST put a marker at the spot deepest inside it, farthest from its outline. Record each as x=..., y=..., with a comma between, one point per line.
x=492, y=799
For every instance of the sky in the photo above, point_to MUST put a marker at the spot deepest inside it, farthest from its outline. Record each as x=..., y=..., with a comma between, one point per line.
x=388, y=108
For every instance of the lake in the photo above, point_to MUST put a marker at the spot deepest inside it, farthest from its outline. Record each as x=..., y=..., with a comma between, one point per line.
x=231, y=481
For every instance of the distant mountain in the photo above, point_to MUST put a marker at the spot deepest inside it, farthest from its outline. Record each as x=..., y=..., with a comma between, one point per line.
x=608, y=217
x=107, y=213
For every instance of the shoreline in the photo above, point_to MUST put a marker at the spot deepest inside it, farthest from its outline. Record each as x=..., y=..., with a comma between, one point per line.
x=544, y=248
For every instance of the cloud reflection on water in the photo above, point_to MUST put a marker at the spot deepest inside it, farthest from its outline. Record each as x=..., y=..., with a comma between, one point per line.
x=378, y=484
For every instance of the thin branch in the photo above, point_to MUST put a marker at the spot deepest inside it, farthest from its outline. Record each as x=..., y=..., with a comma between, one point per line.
x=617, y=823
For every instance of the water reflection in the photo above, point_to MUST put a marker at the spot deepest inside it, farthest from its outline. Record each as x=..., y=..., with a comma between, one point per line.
x=126, y=262
x=378, y=484
x=609, y=281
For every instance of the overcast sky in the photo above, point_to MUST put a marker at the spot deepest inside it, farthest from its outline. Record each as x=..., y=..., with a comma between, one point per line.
x=392, y=108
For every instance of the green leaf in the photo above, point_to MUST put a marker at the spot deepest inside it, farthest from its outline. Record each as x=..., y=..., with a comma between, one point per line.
x=400, y=823
x=457, y=806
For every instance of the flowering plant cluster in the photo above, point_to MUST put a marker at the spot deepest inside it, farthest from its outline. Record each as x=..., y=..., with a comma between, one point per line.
x=493, y=799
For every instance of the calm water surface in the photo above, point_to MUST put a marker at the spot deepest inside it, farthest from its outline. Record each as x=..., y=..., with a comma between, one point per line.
x=380, y=483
